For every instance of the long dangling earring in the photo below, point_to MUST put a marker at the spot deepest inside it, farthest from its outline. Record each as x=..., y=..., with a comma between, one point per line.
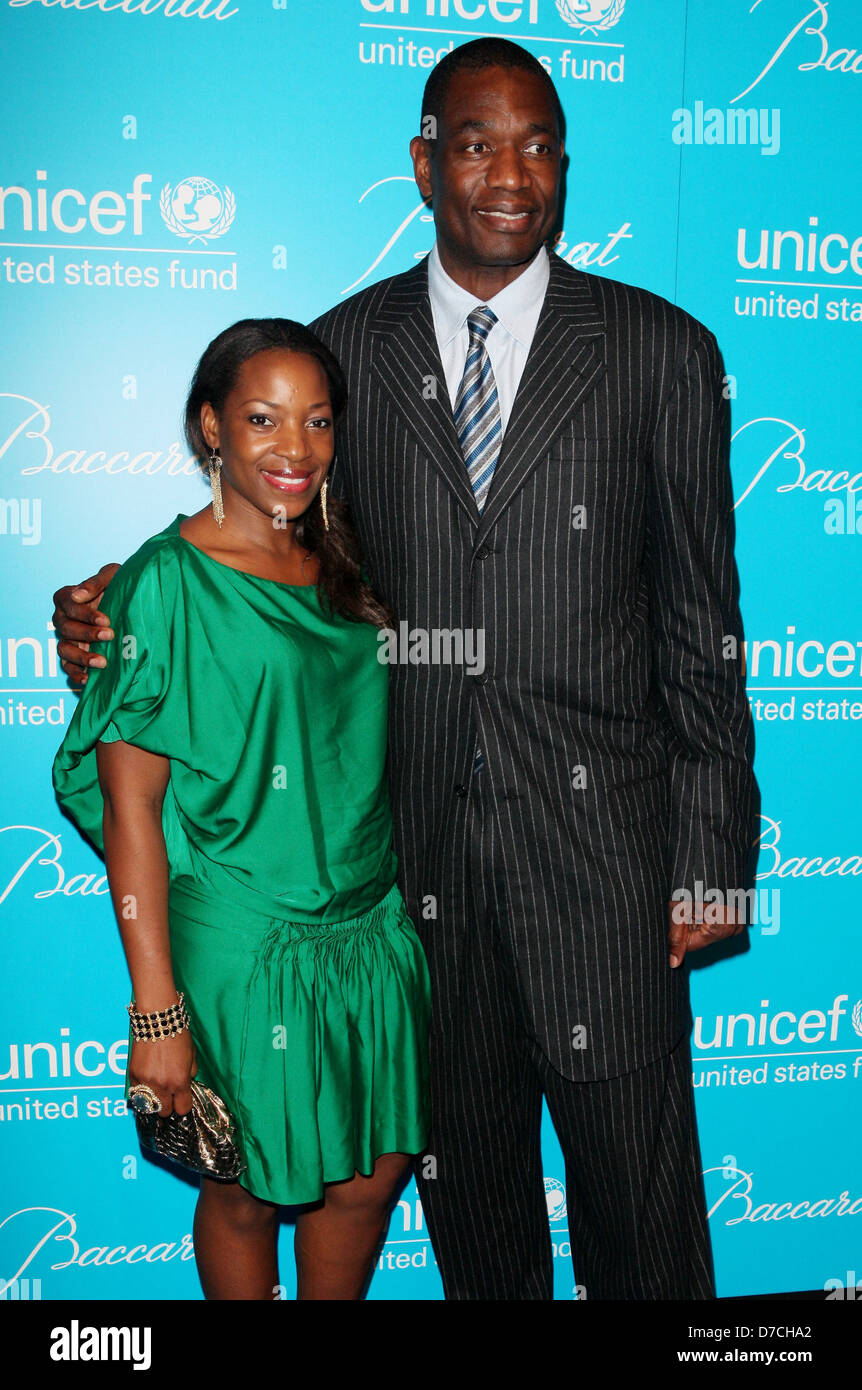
x=215, y=483
x=323, y=504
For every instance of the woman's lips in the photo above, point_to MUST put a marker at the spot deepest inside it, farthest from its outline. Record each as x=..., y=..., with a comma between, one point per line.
x=288, y=482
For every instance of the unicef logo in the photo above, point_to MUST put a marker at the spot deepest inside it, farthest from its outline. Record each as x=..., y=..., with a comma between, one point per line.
x=856, y=1017
x=555, y=1196
x=591, y=15
x=197, y=209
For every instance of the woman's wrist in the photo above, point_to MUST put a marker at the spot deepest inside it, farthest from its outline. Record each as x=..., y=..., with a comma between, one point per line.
x=153, y=1001
x=151, y=1025
x=154, y=992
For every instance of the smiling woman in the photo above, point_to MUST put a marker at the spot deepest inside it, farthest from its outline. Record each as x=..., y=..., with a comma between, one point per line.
x=262, y=407
x=243, y=810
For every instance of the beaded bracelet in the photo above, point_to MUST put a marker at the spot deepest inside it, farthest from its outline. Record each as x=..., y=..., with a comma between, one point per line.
x=163, y=1023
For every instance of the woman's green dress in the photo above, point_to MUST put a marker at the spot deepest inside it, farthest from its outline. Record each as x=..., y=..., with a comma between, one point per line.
x=304, y=978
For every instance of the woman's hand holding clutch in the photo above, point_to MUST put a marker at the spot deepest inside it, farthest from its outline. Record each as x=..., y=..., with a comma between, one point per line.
x=166, y=1065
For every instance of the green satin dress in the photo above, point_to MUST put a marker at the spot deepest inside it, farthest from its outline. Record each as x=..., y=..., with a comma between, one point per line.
x=305, y=981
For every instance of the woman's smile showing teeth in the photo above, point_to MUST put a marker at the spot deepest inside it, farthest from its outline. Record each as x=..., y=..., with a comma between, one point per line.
x=288, y=479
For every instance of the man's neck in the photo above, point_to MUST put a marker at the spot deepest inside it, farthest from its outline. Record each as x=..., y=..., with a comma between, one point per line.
x=484, y=281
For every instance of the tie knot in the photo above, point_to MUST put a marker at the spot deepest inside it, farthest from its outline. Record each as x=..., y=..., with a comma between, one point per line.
x=480, y=322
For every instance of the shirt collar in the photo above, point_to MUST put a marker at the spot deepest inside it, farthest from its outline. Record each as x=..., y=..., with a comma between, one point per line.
x=517, y=307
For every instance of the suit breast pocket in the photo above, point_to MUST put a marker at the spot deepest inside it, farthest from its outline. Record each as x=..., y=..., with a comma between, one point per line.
x=584, y=447
x=643, y=799
x=601, y=477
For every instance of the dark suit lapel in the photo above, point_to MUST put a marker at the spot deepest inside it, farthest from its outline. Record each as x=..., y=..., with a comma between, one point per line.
x=407, y=361
x=565, y=363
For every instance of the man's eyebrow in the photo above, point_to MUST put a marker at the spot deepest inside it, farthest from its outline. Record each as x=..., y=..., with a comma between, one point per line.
x=473, y=123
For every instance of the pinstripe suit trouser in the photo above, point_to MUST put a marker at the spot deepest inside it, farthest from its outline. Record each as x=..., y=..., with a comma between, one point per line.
x=637, y=1213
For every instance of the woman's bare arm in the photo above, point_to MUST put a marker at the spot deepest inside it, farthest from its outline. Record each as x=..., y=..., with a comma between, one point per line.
x=133, y=784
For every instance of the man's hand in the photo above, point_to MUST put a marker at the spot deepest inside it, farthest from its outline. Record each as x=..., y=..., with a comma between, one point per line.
x=79, y=622
x=695, y=925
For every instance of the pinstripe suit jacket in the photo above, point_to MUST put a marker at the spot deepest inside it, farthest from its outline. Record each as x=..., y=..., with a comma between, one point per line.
x=616, y=732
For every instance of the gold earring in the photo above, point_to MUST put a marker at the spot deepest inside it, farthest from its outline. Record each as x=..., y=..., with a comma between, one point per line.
x=215, y=483
x=323, y=504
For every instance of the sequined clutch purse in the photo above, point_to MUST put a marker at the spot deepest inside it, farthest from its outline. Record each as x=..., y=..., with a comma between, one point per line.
x=202, y=1140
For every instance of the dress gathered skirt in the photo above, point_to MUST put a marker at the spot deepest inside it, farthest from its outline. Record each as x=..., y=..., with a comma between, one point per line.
x=305, y=981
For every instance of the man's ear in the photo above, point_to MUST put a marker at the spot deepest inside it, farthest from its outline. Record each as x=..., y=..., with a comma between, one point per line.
x=419, y=153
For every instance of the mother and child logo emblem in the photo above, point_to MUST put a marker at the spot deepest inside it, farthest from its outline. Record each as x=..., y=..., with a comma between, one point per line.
x=591, y=15
x=197, y=209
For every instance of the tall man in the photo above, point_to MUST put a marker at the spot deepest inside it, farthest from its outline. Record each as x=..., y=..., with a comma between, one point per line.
x=540, y=454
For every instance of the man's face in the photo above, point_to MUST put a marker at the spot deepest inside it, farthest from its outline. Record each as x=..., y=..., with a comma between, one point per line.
x=494, y=171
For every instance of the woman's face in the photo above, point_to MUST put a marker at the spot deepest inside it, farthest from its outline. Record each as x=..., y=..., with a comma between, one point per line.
x=274, y=432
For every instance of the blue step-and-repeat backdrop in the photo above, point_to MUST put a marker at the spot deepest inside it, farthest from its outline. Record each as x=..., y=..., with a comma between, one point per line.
x=169, y=166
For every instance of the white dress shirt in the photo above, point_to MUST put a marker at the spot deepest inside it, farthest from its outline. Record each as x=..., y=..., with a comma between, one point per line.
x=517, y=308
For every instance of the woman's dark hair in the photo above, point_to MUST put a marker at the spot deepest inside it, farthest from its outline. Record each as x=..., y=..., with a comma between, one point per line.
x=340, y=582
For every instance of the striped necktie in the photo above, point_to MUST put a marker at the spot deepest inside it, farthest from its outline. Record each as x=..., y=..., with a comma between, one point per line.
x=478, y=421
x=477, y=408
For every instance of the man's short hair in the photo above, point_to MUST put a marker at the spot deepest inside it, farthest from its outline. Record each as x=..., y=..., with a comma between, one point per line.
x=483, y=53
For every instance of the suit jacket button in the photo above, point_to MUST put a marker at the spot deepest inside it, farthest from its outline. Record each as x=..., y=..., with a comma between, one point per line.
x=481, y=680
x=460, y=789
x=483, y=552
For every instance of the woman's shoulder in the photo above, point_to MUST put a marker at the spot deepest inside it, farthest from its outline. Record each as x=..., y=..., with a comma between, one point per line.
x=151, y=569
